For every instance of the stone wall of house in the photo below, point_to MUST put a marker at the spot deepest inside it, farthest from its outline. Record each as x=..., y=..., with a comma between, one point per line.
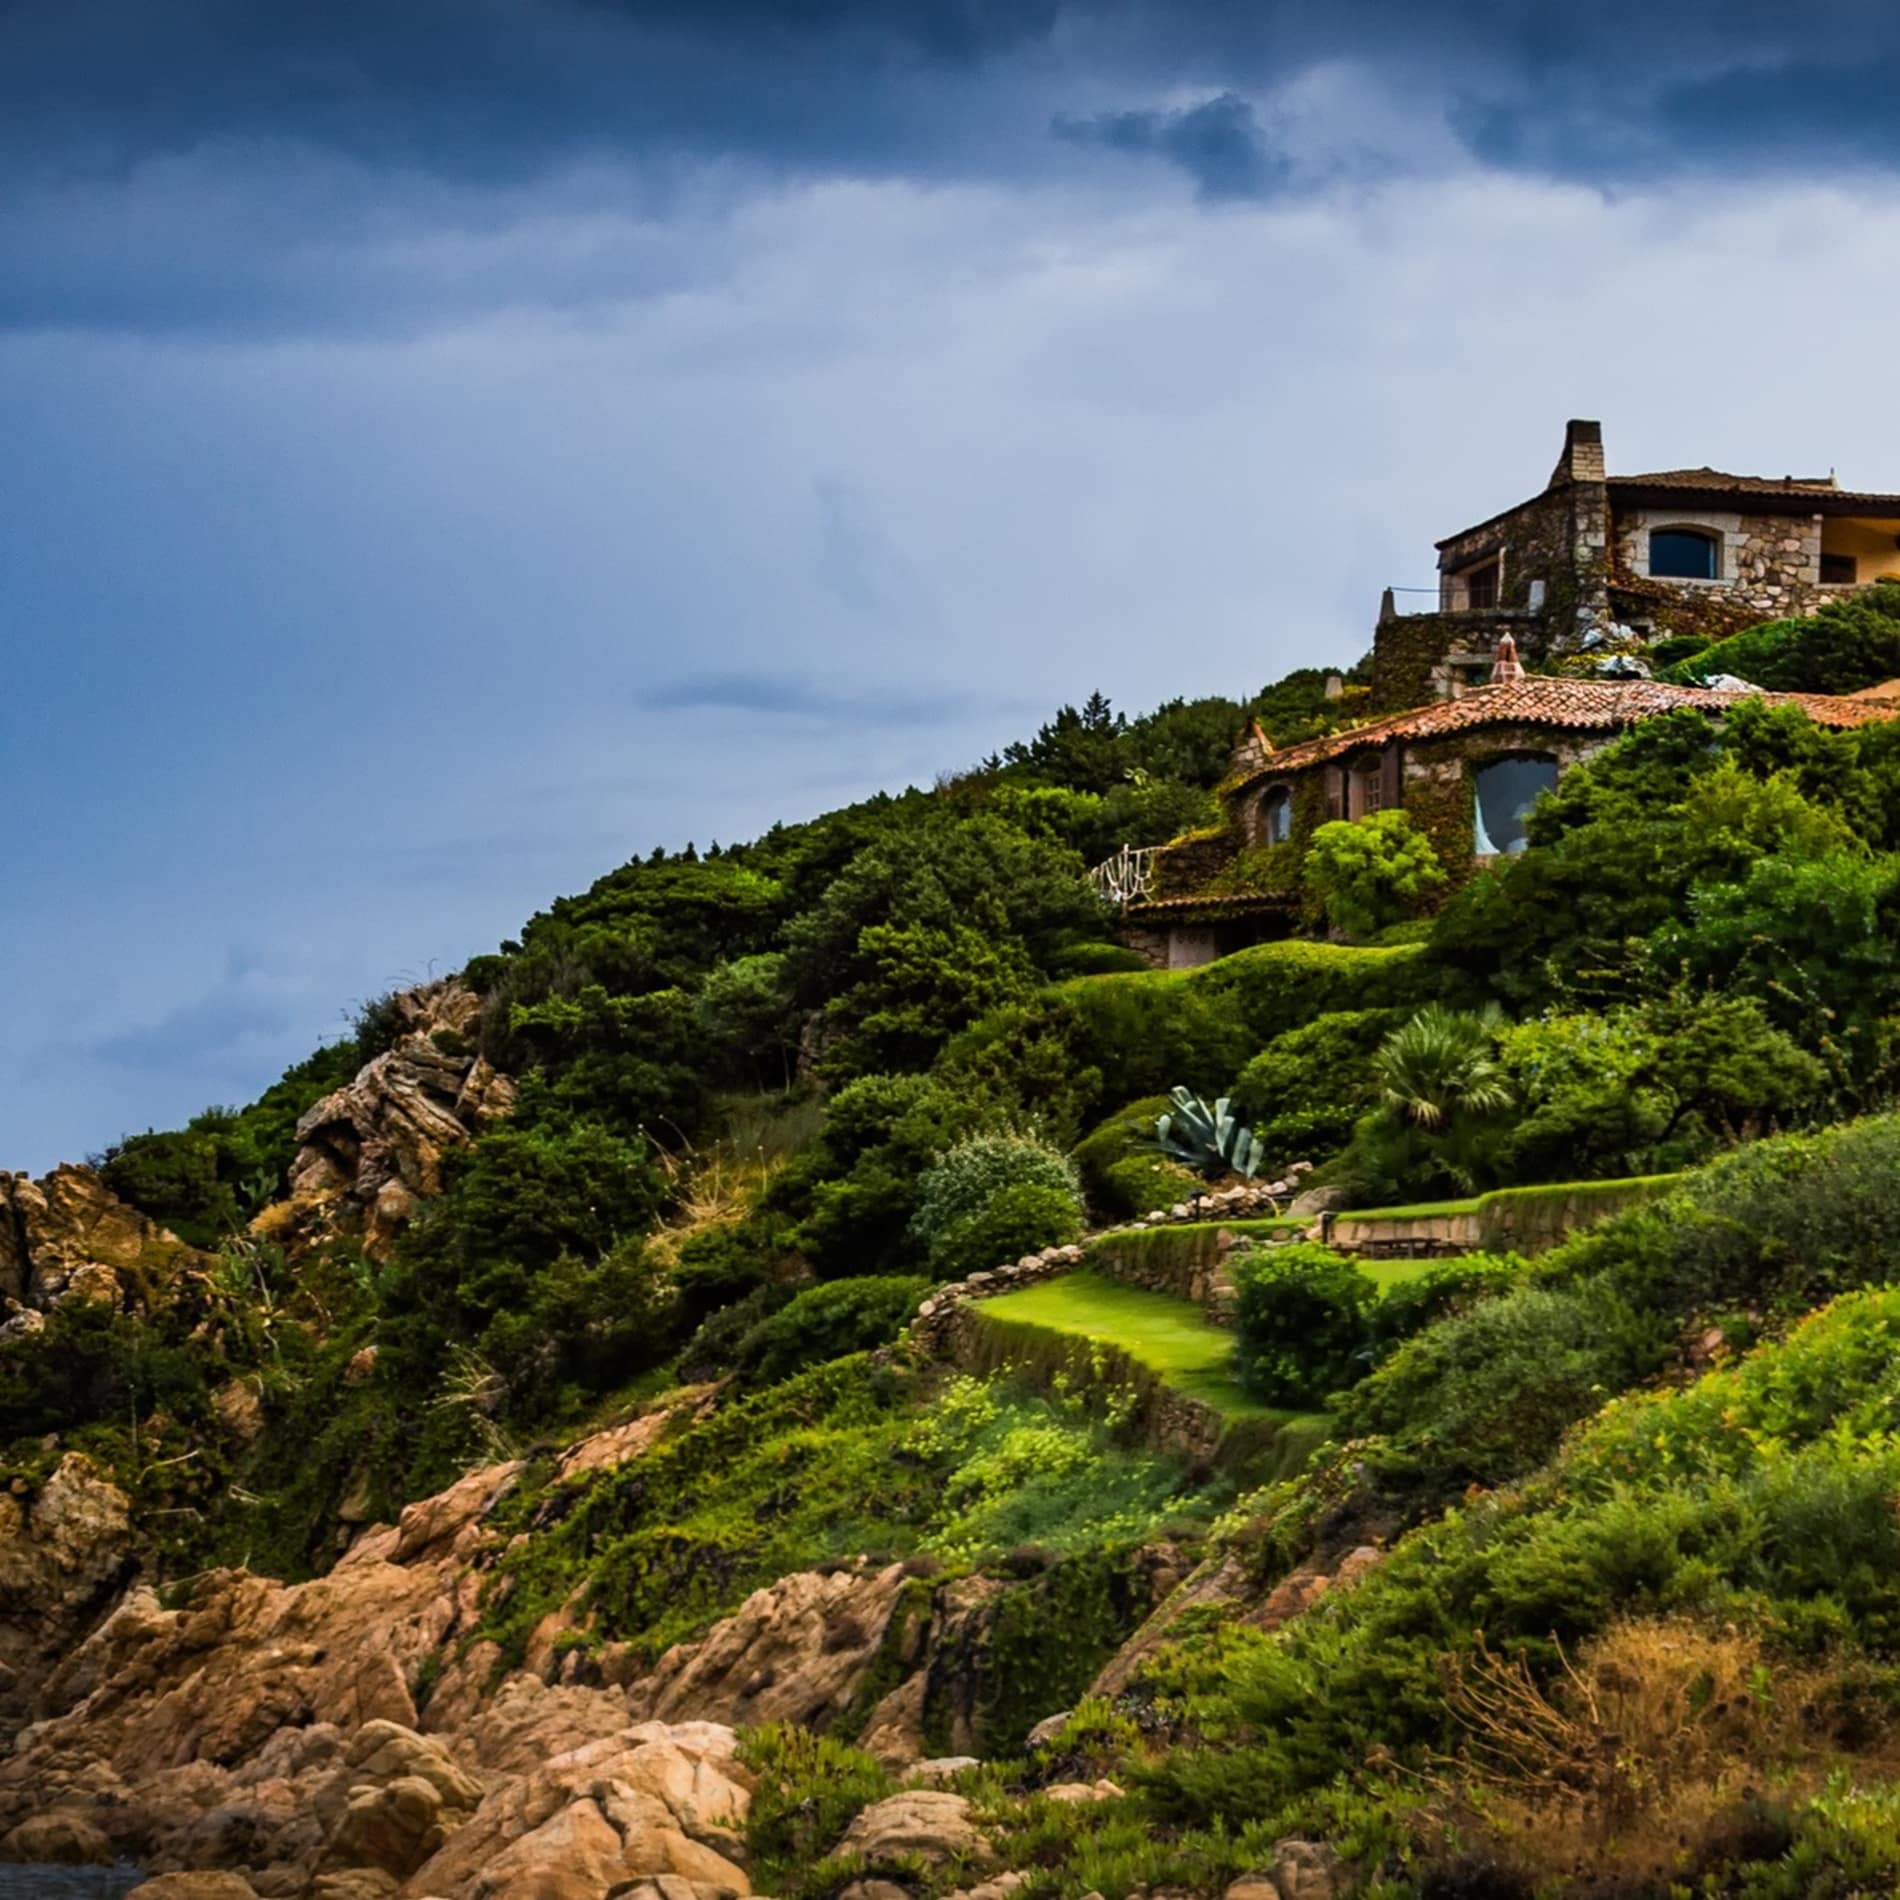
x=1438, y=778
x=1769, y=564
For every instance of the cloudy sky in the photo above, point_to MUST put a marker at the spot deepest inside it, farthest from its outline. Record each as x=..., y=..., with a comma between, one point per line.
x=447, y=447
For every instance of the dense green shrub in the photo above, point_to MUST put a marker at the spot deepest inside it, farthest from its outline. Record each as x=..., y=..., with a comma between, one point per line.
x=1848, y=645
x=828, y=1321
x=1450, y=1287
x=852, y=1195
x=1646, y=1088
x=1304, y=1091
x=1372, y=872
x=1122, y=1173
x=809, y=1789
x=1303, y=1322
x=992, y=1198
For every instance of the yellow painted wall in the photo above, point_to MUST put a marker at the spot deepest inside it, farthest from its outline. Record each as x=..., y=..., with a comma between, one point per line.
x=1871, y=542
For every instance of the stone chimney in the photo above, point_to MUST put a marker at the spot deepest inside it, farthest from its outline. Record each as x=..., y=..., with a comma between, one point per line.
x=1582, y=459
x=1506, y=668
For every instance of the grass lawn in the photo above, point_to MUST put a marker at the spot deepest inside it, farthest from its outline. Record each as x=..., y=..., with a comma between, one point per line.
x=1173, y=1338
x=1386, y=1274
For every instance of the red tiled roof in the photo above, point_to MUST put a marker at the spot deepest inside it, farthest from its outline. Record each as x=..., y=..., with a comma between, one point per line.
x=1573, y=704
x=1236, y=901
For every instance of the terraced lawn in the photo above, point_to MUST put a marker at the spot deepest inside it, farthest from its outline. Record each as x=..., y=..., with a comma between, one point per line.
x=1173, y=1338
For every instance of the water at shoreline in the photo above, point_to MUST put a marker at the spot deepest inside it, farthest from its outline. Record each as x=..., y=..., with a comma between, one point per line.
x=66, y=1883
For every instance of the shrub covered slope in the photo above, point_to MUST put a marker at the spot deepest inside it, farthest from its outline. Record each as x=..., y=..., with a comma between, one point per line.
x=1625, y=1618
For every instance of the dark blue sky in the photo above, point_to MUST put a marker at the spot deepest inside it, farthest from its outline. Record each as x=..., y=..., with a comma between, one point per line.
x=447, y=448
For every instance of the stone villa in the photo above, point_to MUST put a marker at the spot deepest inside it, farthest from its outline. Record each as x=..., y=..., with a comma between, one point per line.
x=1599, y=560
x=1586, y=573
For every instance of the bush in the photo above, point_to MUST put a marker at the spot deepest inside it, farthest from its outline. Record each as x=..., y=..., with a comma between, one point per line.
x=1849, y=644
x=828, y=1321
x=992, y=1198
x=1122, y=1173
x=1371, y=873
x=1305, y=1090
x=1304, y=1322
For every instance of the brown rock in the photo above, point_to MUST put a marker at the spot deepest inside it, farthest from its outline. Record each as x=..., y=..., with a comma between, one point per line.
x=381, y=1139
x=1307, y=1870
x=61, y=1556
x=928, y=1822
x=195, y=1886
x=797, y=1651
x=58, y=1838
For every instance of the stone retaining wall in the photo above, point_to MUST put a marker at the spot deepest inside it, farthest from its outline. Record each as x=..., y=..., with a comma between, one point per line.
x=936, y=1316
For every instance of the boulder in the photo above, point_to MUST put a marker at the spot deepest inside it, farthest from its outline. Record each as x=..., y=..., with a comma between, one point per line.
x=928, y=1822
x=57, y=1838
x=1307, y=1870
x=195, y=1886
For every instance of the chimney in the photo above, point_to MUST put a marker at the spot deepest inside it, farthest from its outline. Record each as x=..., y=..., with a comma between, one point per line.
x=1506, y=668
x=1582, y=459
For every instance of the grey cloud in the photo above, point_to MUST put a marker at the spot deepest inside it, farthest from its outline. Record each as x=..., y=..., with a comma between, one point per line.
x=790, y=696
x=1218, y=143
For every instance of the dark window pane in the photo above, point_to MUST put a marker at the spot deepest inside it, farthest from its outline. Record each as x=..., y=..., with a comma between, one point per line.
x=1507, y=789
x=1839, y=570
x=1681, y=554
x=1279, y=817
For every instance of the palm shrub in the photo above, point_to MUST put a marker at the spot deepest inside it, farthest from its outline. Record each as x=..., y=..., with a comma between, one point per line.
x=1440, y=1064
x=993, y=1197
x=1303, y=1322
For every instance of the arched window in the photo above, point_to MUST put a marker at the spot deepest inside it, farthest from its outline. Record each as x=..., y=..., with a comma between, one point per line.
x=1276, y=816
x=1682, y=554
x=1506, y=791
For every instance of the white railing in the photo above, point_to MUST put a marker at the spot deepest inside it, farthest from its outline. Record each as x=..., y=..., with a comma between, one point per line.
x=1127, y=877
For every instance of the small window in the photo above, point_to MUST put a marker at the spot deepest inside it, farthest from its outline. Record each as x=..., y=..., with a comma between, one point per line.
x=1276, y=816
x=1839, y=570
x=1682, y=554
x=1365, y=790
x=1481, y=586
x=1507, y=789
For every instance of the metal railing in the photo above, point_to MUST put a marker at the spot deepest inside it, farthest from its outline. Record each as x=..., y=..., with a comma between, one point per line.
x=1127, y=877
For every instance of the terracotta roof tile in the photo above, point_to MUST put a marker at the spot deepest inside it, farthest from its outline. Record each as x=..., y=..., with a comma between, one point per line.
x=1570, y=704
x=1238, y=901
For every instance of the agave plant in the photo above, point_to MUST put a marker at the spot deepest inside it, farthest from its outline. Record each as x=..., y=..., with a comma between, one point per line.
x=1208, y=1139
x=1441, y=1062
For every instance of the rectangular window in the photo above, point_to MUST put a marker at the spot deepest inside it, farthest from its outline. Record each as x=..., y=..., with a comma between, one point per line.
x=1839, y=570
x=1481, y=586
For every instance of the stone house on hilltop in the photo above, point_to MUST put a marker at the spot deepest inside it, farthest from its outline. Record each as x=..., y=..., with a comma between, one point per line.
x=1599, y=559
x=1466, y=769
x=1461, y=740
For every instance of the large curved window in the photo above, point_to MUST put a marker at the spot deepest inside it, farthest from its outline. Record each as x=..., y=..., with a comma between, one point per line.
x=1276, y=816
x=1682, y=554
x=1506, y=791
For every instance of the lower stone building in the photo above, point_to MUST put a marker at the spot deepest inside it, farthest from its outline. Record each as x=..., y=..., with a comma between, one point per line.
x=1466, y=771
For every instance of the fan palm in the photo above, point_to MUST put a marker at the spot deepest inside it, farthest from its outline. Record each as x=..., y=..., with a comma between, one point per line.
x=1441, y=1062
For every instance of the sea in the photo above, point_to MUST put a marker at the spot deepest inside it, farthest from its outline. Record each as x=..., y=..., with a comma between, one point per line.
x=67, y=1883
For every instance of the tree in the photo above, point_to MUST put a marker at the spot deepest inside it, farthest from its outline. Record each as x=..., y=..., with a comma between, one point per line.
x=1373, y=872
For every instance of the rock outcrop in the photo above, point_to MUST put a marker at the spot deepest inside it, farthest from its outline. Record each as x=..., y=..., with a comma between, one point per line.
x=378, y=1143
x=269, y=1734
x=63, y=1556
x=69, y=1237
